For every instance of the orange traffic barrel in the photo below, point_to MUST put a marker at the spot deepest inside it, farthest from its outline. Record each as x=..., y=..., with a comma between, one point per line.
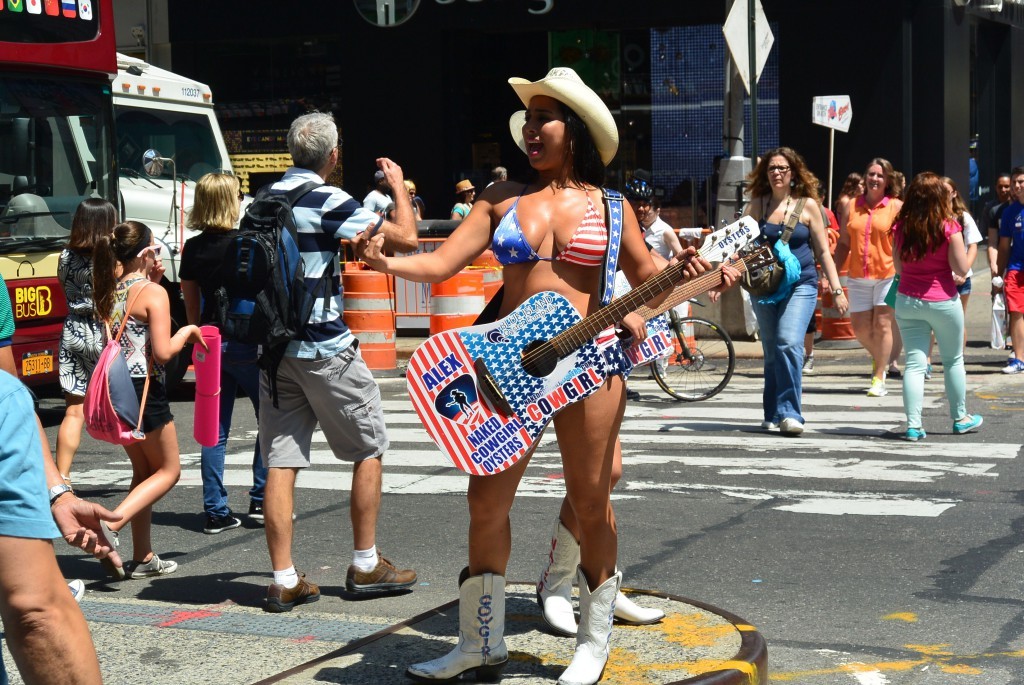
x=455, y=303
x=490, y=267
x=369, y=314
x=834, y=326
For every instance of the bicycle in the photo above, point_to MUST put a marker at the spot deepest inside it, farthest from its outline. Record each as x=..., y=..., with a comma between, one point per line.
x=702, y=363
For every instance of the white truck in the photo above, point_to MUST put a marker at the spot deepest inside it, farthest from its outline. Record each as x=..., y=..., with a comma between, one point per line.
x=167, y=138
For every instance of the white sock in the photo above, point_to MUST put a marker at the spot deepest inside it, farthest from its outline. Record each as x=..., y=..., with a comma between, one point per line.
x=288, y=577
x=365, y=559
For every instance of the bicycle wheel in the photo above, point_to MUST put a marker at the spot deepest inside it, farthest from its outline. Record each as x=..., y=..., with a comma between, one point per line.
x=702, y=363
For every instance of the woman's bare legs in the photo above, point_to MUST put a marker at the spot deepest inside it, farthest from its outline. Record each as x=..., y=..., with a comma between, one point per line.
x=69, y=436
x=874, y=332
x=588, y=432
x=490, y=532
x=156, y=467
x=566, y=514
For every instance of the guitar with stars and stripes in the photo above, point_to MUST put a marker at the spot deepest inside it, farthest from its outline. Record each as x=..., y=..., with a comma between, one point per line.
x=485, y=393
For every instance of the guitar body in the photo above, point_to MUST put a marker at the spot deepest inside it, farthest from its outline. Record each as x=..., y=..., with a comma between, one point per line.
x=486, y=393
x=462, y=419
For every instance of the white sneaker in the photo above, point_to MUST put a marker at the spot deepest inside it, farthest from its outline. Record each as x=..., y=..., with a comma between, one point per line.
x=877, y=388
x=154, y=567
x=77, y=588
x=809, y=364
x=769, y=425
x=791, y=426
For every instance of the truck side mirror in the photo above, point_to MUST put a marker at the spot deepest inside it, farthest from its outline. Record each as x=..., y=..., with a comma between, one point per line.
x=153, y=163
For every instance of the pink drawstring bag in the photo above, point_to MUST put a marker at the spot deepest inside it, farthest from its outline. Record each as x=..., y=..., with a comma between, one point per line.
x=112, y=409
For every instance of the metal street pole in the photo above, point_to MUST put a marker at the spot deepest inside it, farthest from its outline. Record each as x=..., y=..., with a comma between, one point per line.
x=752, y=50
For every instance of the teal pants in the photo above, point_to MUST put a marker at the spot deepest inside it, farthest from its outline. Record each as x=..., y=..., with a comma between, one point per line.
x=917, y=320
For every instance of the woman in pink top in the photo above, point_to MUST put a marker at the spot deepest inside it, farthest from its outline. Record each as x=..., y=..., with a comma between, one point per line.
x=928, y=250
x=865, y=235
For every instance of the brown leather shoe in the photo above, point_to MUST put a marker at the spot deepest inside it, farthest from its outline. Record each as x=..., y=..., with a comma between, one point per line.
x=383, y=578
x=281, y=599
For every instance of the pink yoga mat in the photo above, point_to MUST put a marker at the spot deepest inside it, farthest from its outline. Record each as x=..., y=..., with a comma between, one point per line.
x=207, y=365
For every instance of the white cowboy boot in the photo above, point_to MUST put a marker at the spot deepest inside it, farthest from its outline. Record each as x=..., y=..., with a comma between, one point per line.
x=554, y=589
x=481, y=635
x=629, y=612
x=592, y=641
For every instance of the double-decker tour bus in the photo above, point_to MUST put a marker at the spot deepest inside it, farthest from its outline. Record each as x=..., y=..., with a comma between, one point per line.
x=57, y=62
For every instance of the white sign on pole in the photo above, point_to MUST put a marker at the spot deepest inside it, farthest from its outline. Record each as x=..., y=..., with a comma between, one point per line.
x=736, y=38
x=832, y=111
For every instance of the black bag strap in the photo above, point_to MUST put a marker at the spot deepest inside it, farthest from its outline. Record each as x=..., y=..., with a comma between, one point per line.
x=292, y=196
x=792, y=220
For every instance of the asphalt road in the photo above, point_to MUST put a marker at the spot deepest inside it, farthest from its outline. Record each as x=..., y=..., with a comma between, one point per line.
x=861, y=558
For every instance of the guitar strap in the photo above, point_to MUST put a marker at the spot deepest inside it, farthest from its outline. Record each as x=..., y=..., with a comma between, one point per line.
x=613, y=210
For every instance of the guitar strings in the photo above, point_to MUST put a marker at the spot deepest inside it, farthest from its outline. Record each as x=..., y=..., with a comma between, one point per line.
x=586, y=329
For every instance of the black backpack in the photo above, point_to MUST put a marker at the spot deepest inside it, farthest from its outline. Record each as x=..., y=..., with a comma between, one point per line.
x=264, y=299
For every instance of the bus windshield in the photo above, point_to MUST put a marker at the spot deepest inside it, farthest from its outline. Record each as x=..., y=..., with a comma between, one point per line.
x=55, y=151
x=187, y=138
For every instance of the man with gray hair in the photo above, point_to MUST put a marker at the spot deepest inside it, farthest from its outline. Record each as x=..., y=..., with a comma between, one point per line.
x=322, y=378
x=498, y=174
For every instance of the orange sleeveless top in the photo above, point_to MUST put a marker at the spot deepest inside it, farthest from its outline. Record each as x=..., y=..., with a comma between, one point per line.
x=870, y=231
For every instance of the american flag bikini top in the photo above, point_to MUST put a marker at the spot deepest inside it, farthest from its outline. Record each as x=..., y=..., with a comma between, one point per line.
x=591, y=244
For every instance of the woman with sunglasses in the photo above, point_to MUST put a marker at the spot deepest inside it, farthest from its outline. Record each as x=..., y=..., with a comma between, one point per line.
x=126, y=271
x=215, y=212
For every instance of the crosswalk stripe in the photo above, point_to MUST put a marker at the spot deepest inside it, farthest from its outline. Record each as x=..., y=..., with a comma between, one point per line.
x=819, y=502
x=690, y=435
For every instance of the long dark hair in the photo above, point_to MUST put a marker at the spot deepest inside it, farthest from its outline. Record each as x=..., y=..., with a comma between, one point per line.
x=121, y=246
x=582, y=160
x=926, y=208
x=93, y=218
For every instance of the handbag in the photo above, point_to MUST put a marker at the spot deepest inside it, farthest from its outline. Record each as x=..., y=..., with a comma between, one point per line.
x=767, y=280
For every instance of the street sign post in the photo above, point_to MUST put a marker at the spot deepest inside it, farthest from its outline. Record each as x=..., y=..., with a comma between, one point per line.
x=737, y=39
x=749, y=39
x=835, y=113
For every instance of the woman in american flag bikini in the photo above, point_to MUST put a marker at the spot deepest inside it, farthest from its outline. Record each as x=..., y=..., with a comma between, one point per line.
x=550, y=235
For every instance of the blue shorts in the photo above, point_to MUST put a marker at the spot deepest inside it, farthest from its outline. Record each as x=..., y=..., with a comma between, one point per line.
x=965, y=288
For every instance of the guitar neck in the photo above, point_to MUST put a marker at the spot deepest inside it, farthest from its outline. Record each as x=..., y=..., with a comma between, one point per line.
x=688, y=290
x=578, y=335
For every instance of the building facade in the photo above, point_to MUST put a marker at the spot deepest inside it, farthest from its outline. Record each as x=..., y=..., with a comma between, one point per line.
x=429, y=88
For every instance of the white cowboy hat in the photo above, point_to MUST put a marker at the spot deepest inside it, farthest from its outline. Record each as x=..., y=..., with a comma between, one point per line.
x=565, y=85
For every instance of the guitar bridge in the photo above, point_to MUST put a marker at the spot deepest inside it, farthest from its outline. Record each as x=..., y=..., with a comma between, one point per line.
x=489, y=387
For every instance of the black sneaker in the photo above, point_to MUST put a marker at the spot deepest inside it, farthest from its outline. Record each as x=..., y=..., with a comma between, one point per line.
x=256, y=511
x=218, y=524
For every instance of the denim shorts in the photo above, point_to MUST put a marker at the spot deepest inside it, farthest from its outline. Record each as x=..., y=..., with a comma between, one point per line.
x=338, y=393
x=965, y=287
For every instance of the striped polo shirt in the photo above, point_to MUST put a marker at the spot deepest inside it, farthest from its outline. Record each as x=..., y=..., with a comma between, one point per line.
x=322, y=218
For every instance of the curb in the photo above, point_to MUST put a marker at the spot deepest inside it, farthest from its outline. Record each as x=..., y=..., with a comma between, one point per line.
x=726, y=651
